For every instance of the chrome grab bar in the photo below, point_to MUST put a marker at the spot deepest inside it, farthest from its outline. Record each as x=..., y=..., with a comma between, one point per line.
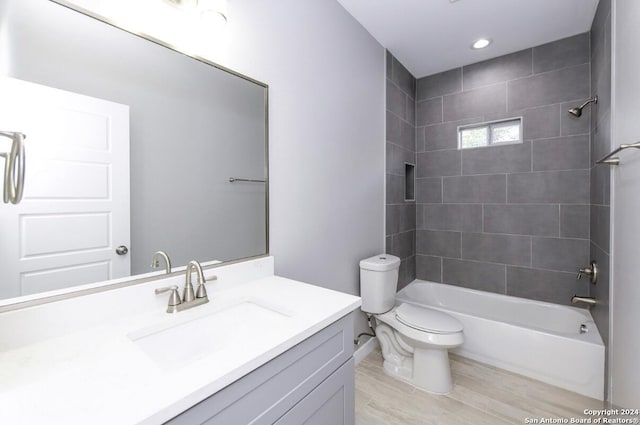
x=236, y=179
x=14, y=167
x=616, y=161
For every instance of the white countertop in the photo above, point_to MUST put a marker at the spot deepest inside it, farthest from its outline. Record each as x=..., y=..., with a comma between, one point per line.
x=98, y=375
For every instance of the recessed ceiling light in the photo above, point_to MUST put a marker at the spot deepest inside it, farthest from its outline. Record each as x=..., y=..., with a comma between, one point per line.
x=481, y=43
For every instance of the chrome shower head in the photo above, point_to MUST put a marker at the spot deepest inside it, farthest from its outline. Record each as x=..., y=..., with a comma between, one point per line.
x=577, y=112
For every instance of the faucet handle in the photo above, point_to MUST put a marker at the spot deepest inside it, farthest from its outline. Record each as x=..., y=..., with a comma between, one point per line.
x=201, y=291
x=174, y=298
x=591, y=271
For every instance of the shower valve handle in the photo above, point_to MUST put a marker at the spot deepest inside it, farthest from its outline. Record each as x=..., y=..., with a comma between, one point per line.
x=591, y=271
x=581, y=272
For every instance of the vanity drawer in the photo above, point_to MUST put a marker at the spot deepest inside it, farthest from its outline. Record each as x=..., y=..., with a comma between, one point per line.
x=268, y=392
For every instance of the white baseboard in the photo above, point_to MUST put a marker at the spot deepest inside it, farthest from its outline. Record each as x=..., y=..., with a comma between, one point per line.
x=364, y=349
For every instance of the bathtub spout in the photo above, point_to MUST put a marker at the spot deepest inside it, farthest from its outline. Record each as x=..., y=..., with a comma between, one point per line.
x=586, y=300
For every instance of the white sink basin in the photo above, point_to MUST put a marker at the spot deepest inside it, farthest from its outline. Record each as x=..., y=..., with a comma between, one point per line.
x=179, y=343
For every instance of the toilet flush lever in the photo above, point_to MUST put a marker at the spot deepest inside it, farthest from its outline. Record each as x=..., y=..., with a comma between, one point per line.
x=591, y=271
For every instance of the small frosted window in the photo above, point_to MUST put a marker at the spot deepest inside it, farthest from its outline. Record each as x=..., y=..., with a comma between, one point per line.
x=491, y=133
x=474, y=137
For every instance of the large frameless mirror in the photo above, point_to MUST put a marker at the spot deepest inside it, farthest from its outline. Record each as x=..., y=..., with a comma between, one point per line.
x=131, y=148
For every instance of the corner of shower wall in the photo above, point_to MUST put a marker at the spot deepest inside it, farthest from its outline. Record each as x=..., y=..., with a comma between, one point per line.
x=400, y=150
x=601, y=174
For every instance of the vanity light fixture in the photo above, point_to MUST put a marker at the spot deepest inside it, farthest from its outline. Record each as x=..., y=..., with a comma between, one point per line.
x=481, y=43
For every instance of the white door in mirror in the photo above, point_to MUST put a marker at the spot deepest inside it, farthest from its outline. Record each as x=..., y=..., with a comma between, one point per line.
x=75, y=208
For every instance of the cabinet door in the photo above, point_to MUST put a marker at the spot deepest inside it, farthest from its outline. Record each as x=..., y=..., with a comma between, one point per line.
x=330, y=403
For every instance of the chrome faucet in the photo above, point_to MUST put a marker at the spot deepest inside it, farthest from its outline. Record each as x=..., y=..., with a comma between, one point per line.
x=155, y=262
x=589, y=301
x=188, y=295
x=190, y=298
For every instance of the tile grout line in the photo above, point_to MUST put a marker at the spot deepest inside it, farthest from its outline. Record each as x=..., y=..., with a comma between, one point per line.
x=532, y=59
x=531, y=155
x=505, y=279
x=559, y=220
x=506, y=101
x=561, y=126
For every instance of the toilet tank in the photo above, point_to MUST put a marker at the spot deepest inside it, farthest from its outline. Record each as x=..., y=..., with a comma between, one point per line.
x=378, y=283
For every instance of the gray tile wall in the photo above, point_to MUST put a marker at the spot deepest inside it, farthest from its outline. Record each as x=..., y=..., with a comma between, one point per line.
x=401, y=148
x=600, y=174
x=509, y=219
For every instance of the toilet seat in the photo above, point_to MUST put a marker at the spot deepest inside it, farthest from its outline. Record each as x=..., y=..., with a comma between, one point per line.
x=427, y=320
x=438, y=338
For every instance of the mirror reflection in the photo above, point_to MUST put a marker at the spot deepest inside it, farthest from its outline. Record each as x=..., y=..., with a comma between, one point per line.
x=131, y=148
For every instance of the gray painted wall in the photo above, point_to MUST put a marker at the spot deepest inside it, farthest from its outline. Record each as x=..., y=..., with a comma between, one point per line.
x=601, y=174
x=508, y=219
x=326, y=123
x=401, y=148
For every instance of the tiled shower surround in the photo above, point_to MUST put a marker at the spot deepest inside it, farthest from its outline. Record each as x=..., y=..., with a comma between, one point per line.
x=512, y=219
x=601, y=174
x=401, y=148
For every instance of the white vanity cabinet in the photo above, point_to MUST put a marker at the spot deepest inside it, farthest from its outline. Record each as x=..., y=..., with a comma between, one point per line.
x=311, y=383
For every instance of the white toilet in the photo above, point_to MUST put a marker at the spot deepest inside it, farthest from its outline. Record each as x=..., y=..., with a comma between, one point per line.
x=414, y=340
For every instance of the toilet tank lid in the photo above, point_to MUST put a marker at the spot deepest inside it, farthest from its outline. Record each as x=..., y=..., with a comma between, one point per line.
x=426, y=319
x=380, y=263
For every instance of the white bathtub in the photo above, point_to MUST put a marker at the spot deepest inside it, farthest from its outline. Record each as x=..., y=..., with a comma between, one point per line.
x=533, y=338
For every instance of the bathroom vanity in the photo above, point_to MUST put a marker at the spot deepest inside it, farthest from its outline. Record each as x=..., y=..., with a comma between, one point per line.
x=264, y=350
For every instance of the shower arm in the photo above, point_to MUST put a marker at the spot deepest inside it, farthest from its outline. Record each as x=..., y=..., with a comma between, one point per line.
x=594, y=100
x=577, y=111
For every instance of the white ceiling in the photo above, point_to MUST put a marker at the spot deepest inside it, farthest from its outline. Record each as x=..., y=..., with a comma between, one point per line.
x=430, y=36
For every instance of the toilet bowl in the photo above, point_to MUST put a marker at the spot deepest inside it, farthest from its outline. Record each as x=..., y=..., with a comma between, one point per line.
x=415, y=343
x=414, y=340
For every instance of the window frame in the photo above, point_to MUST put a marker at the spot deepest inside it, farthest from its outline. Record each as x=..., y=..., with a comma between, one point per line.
x=490, y=125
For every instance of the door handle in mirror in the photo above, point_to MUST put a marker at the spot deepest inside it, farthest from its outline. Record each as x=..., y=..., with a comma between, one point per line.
x=122, y=250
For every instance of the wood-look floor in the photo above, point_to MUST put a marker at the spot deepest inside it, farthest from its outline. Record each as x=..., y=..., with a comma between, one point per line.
x=482, y=395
